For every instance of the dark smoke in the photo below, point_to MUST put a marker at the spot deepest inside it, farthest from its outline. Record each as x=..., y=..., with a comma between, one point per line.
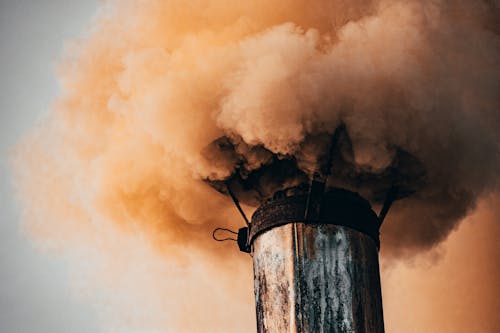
x=255, y=183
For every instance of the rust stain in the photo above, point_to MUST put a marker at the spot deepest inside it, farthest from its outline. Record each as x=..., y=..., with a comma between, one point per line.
x=317, y=278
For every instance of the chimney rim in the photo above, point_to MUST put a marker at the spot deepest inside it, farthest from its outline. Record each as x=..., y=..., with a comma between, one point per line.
x=338, y=207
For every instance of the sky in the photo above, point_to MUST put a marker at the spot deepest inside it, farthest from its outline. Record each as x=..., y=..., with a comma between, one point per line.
x=35, y=293
x=128, y=270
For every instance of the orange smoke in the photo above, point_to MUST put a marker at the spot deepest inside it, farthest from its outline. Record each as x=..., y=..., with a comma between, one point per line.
x=454, y=289
x=114, y=175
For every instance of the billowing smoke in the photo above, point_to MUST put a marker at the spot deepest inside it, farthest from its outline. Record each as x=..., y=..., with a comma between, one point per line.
x=161, y=100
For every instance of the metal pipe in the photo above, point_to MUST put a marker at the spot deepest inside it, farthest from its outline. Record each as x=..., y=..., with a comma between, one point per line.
x=319, y=275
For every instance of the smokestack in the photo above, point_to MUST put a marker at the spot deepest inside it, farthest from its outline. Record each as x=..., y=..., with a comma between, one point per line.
x=316, y=273
x=315, y=254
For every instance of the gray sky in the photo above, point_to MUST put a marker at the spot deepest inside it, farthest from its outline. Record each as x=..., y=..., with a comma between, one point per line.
x=35, y=295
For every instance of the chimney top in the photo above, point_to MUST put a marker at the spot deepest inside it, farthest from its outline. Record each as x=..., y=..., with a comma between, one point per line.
x=338, y=207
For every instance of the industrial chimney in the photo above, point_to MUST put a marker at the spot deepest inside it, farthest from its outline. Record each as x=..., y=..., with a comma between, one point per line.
x=315, y=252
x=316, y=273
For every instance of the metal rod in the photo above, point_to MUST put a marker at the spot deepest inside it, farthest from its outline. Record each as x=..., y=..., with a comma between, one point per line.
x=389, y=199
x=333, y=149
x=237, y=203
x=314, y=198
x=320, y=177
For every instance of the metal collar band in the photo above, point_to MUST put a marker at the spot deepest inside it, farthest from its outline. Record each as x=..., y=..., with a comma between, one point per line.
x=337, y=206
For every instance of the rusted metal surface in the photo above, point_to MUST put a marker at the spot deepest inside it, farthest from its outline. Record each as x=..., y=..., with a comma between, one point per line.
x=316, y=277
x=337, y=206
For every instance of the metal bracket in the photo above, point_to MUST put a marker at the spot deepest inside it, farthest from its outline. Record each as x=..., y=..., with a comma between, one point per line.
x=243, y=240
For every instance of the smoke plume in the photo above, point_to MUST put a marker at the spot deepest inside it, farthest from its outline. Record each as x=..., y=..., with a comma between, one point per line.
x=161, y=100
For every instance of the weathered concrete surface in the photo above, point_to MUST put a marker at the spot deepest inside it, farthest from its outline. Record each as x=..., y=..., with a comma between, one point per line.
x=317, y=278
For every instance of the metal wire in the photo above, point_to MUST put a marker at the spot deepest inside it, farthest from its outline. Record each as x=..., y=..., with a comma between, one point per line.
x=224, y=239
